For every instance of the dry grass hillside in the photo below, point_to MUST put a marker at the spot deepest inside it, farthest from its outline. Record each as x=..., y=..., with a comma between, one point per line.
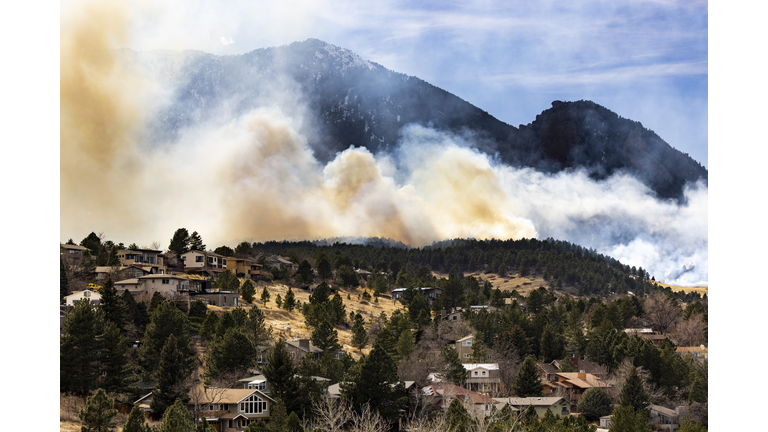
x=511, y=282
x=700, y=290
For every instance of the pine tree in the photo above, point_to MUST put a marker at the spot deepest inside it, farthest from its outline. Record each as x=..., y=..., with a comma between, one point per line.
x=293, y=424
x=135, y=421
x=279, y=372
x=457, y=417
x=405, y=345
x=177, y=418
x=63, y=281
x=210, y=325
x=698, y=391
x=479, y=352
x=278, y=417
x=338, y=308
x=166, y=319
x=112, y=304
x=265, y=296
x=203, y=426
x=248, y=291
x=114, y=360
x=633, y=394
x=279, y=301
x=625, y=419
x=179, y=241
x=595, y=403
x=173, y=377
x=258, y=331
x=359, y=334
x=258, y=426
x=80, y=345
x=98, y=414
x=528, y=382
x=290, y=300
x=325, y=337
x=376, y=383
x=196, y=242
x=453, y=370
x=234, y=353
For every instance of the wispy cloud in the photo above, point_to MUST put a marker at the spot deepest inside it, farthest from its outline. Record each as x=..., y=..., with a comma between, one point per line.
x=225, y=41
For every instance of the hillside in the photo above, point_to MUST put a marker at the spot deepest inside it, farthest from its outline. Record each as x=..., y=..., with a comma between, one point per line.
x=342, y=99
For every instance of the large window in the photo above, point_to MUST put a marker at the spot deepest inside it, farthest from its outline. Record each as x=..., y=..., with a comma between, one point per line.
x=253, y=405
x=199, y=258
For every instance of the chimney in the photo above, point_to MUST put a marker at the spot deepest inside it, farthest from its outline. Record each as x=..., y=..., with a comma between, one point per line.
x=304, y=343
x=582, y=375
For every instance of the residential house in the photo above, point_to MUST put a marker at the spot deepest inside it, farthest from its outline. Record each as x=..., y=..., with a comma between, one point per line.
x=653, y=337
x=217, y=298
x=478, y=308
x=585, y=366
x=300, y=348
x=149, y=258
x=144, y=287
x=698, y=352
x=246, y=268
x=430, y=293
x=72, y=250
x=573, y=385
x=202, y=263
x=559, y=406
x=482, y=377
x=444, y=394
x=76, y=296
x=463, y=347
x=455, y=314
x=277, y=261
x=662, y=418
x=256, y=382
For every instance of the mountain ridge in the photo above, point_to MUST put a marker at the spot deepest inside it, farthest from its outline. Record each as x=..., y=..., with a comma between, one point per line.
x=348, y=100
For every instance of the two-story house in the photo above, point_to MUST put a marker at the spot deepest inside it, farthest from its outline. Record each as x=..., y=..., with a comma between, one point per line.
x=245, y=268
x=150, y=259
x=204, y=263
x=76, y=296
x=464, y=347
x=482, y=377
x=572, y=385
x=430, y=293
x=144, y=287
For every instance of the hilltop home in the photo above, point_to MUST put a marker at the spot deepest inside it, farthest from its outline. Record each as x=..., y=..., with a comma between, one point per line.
x=573, y=384
x=444, y=394
x=202, y=263
x=146, y=258
x=463, y=347
x=698, y=352
x=245, y=268
x=217, y=298
x=76, y=296
x=300, y=348
x=430, y=293
x=144, y=287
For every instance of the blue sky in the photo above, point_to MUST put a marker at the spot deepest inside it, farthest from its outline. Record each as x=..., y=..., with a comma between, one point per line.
x=645, y=60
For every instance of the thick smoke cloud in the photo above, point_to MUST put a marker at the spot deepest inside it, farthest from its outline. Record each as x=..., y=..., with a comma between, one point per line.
x=254, y=177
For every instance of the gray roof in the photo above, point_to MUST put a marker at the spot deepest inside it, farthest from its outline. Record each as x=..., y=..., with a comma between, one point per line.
x=535, y=401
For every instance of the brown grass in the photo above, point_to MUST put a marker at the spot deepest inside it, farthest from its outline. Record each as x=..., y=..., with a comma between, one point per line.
x=69, y=410
x=700, y=290
x=523, y=284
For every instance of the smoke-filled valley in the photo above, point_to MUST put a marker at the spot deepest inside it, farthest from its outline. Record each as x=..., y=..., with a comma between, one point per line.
x=241, y=149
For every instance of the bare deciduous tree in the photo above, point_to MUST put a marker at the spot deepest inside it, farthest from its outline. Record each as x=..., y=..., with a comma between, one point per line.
x=662, y=311
x=368, y=421
x=330, y=414
x=691, y=332
x=617, y=378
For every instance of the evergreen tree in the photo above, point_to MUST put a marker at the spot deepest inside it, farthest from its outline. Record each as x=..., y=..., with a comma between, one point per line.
x=280, y=372
x=325, y=337
x=63, y=281
x=625, y=419
x=258, y=331
x=224, y=250
x=453, y=370
x=567, y=365
x=551, y=344
x=418, y=305
x=166, y=319
x=376, y=383
x=198, y=309
x=633, y=394
x=80, y=345
x=321, y=294
x=258, y=426
x=98, y=414
x=698, y=391
x=114, y=360
x=279, y=301
x=177, y=418
x=179, y=241
x=248, y=291
x=528, y=382
x=305, y=271
x=405, y=344
x=203, y=426
x=112, y=304
x=243, y=250
x=595, y=403
x=479, y=352
x=92, y=242
x=234, y=353
x=359, y=334
x=135, y=422
x=157, y=299
x=689, y=426
x=324, y=269
x=228, y=282
x=196, y=242
x=457, y=417
x=293, y=424
x=265, y=296
x=173, y=377
x=210, y=326
x=278, y=417
x=289, y=303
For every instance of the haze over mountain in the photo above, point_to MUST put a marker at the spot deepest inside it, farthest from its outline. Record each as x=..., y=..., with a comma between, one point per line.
x=348, y=101
x=258, y=147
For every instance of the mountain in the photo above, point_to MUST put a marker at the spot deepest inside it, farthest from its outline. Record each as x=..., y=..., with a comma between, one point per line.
x=345, y=100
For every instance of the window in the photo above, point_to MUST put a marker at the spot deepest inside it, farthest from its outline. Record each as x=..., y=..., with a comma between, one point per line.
x=166, y=281
x=199, y=259
x=210, y=260
x=466, y=355
x=253, y=405
x=483, y=373
x=475, y=373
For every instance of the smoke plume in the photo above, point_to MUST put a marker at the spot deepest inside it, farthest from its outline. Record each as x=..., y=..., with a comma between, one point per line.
x=253, y=177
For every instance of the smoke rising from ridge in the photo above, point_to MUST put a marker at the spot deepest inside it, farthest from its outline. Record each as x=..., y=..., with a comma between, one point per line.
x=254, y=177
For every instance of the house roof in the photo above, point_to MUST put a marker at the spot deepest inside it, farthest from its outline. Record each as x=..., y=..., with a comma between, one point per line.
x=489, y=366
x=161, y=276
x=585, y=381
x=454, y=391
x=701, y=348
x=133, y=281
x=73, y=247
x=312, y=348
x=548, y=368
x=229, y=396
x=465, y=338
x=663, y=410
x=422, y=289
x=535, y=401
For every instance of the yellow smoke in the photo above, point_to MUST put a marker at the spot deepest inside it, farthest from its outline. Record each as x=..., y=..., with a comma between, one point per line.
x=100, y=113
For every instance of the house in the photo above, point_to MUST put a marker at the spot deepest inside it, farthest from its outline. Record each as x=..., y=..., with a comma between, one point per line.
x=573, y=385
x=276, y=261
x=559, y=406
x=585, y=366
x=144, y=287
x=482, y=377
x=699, y=352
x=605, y=421
x=217, y=298
x=73, y=250
x=653, y=337
x=300, y=348
x=463, y=347
x=245, y=268
x=444, y=394
x=202, y=263
x=662, y=418
x=455, y=314
x=151, y=258
x=478, y=308
x=257, y=382
x=430, y=293
x=76, y=296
